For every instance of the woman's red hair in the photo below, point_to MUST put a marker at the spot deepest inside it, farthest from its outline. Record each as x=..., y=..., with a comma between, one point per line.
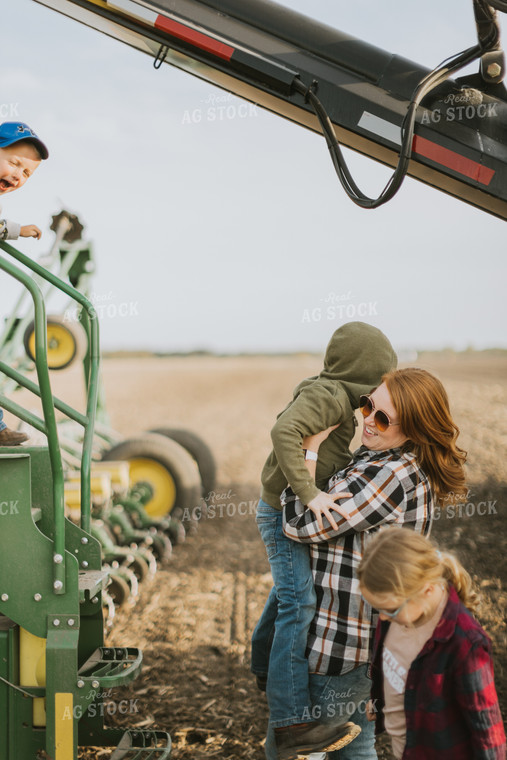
x=422, y=406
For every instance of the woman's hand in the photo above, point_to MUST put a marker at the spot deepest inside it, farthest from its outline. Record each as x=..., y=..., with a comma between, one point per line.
x=323, y=503
x=312, y=442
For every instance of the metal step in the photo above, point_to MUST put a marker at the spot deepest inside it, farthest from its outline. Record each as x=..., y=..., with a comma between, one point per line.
x=92, y=581
x=143, y=745
x=112, y=666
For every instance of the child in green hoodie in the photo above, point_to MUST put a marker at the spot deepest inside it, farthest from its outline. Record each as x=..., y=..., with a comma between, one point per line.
x=356, y=358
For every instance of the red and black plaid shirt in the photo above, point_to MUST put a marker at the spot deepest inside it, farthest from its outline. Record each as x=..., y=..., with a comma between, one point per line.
x=451, y=705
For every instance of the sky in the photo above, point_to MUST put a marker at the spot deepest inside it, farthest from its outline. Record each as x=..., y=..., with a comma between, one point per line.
x=221, y=227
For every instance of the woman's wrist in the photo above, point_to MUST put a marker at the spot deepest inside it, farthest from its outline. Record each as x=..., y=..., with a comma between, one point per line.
x=310, y=455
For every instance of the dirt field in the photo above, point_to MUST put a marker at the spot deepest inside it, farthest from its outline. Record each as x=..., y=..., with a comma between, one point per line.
x=195, y=619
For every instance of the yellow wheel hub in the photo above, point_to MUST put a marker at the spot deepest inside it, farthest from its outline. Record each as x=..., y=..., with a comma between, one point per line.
x=161, y=481
x=61, y=346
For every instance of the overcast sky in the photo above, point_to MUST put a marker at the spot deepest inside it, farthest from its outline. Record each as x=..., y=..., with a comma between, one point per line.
x=227, y=229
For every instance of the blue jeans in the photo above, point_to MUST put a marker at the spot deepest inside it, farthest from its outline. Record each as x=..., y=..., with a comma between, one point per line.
x=2, y=423
x=290, y=608
x=337, y=700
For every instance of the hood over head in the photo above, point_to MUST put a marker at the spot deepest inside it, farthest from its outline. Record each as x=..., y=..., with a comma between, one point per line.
x=358, y=355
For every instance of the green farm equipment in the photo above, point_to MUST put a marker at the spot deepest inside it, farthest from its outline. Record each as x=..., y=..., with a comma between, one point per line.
x=176, y=464
x=54, y=666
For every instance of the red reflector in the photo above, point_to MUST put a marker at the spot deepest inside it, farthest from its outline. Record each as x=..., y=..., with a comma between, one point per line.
x=453, y=160
x=194, y=38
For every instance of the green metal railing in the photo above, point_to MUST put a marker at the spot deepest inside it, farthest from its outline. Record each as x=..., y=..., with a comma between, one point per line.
x=15, y=326
x=47, y=425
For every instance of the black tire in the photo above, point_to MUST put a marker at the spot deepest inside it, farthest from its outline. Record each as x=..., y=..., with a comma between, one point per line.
x=139, y=566
x=162, y=547
x=118, y=589
x=167, y=466
x=176, y=531
x=198, y=450
x=151, y=561
x=67, y=341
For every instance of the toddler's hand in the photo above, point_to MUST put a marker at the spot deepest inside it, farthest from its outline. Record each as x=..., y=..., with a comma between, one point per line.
x=30, y=230
x=323, y=503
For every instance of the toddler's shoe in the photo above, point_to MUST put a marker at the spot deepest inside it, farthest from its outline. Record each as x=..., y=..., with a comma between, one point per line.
x=11, y=437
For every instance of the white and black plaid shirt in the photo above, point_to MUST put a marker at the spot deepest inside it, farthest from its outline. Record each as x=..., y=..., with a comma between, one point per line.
x=388, y=487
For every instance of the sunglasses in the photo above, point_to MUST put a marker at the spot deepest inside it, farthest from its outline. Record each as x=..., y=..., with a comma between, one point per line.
x=381, y=419
x=388, y=613
x=392, y=615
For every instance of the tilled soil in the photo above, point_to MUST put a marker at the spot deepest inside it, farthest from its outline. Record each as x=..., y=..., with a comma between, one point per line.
x=195, y=617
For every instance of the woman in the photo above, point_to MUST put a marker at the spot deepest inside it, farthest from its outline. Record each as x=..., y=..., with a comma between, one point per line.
x=408, y=461
x=432, y=668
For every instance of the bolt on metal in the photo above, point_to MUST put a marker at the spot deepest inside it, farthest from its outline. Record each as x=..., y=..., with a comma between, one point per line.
x=494, y=70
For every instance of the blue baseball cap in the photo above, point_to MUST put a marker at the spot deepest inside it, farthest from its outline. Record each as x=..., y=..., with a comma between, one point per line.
x=14, y=131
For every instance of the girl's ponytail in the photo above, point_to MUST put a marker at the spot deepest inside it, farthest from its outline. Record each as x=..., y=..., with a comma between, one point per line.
x=454, y=572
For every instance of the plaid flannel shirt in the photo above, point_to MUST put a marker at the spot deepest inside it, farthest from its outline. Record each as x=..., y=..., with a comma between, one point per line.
x=388, y=487
x=451, y=705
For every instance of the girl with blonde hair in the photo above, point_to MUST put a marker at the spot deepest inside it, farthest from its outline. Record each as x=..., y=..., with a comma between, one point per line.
x=433, y=687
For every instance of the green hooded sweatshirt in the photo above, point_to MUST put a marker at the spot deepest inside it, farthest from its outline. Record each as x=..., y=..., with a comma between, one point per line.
x=356, y=358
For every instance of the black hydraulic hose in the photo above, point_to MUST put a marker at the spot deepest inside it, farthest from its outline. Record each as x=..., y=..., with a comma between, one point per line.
x=428, y=83
x=500, y=5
